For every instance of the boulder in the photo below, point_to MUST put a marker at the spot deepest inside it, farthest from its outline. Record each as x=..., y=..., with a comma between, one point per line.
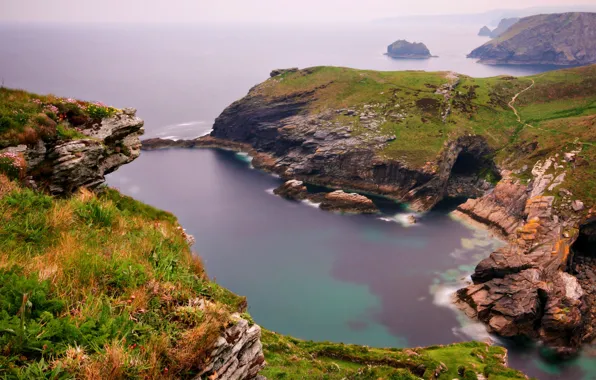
x=292, y=189
x=348, y=203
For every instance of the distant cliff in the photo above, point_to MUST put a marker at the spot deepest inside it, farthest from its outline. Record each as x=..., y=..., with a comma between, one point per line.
x=411, y=50
x=565, y=39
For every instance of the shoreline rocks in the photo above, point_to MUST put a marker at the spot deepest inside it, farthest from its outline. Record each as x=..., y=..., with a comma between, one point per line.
x=335, y=201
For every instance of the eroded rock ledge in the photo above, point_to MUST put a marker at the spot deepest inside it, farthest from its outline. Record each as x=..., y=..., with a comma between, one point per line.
x=64, y=166
x=532, y=287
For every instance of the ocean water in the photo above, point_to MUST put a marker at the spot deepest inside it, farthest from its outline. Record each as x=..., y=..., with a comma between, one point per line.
x=371, y=280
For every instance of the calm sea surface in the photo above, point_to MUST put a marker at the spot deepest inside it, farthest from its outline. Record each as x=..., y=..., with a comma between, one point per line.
x=370, y=280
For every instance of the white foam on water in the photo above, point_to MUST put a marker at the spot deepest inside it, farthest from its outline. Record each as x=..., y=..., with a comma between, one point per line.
x=246, y=158
x=310, y=203
x=469, y=329
x=270, y=191
x=402, y=219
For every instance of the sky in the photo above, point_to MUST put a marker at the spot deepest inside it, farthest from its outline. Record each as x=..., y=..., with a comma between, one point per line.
x=223, y=11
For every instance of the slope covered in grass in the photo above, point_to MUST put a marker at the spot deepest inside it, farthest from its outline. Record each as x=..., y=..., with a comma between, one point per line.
x=101, y=286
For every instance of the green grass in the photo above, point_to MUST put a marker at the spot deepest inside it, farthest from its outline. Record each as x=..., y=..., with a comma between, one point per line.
x=101, y=283
x=290, y=358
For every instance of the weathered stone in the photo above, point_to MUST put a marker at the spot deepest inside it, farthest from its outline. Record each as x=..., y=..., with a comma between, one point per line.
x=577, y=205
x=348, y=202
x=238, y=353
x=292, y=189
x=65, y=166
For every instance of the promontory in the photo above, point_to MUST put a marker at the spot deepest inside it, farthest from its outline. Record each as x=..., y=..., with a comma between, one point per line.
x=564, y=39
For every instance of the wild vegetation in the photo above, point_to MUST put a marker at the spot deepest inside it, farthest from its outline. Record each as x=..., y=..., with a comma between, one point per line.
x=26, y=118
x=102, y=286
x=291, y=358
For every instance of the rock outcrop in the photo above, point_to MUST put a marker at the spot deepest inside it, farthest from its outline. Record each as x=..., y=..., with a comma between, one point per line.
x=238, y=353
x=485, y=32
x=336, y=201
x=525, y=288
x=341, y=201
x=503, y=26
x=566, y=39
x=64, y=166
x=408, y=50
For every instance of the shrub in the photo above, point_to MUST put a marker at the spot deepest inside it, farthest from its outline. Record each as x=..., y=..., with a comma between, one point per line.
x=12, y=165
x=66, y=133
x=97, y=111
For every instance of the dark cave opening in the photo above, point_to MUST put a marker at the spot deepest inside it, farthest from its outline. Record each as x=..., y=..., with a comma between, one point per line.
x=472, y=174
x=585, y=245
x=467, y=164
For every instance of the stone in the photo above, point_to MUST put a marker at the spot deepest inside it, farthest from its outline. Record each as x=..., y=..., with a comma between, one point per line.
x=577, y=205
x=278, y=72
x=348, y=202
x=238, y=353
x=292, y=189
x=84, y=162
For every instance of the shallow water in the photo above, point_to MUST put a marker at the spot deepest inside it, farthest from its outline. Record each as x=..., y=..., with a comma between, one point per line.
x=360, y=279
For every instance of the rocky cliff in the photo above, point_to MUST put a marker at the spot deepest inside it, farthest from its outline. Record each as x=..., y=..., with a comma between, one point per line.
x=408, y=50
x=566, y=39
x=419, y=137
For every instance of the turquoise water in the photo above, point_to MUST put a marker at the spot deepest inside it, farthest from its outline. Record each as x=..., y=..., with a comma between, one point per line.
x=308, y=273
x=370, y=280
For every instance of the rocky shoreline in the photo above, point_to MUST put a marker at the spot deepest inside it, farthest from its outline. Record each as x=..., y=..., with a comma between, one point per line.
x=531, y=288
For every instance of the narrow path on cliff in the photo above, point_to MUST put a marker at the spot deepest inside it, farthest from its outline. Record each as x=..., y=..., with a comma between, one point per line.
x=512, y=102
x=511, y=105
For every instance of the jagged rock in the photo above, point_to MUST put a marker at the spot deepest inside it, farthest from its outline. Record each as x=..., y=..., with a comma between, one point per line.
x=292, y=189
x=348, y=202
x=64, y=166
x=503, y=26
x=277, y=72
x=412, y=219
x=501, y=209
x=485, y=32
x=238, y=353
x=577, y=205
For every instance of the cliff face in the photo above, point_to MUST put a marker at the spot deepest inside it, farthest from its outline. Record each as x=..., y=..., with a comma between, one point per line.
x=565, y=39
x=320, y=150
x=64, y=166
x=533, y=287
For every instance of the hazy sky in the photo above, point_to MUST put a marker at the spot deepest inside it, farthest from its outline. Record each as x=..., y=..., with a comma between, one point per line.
x=247, y=10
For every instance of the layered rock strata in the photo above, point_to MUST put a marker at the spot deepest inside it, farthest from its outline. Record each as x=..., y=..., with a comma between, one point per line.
x=64, y=166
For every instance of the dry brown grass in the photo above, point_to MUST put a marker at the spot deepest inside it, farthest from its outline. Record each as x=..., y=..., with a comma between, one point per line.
x=6, y=185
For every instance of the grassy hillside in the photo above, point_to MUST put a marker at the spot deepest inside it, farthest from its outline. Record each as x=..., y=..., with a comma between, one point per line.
x=99, y=284
x=102, y=286
x=557, y=112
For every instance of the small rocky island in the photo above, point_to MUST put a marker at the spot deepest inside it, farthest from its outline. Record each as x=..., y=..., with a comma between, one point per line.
x=503, y=26
x=408, y=50
x=564, y=39
x=485, y=31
